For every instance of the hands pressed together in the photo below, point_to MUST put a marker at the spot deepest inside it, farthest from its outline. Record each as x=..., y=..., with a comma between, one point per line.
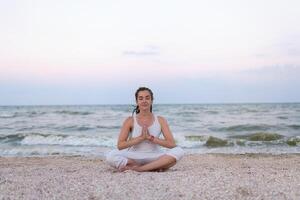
x=145, y=135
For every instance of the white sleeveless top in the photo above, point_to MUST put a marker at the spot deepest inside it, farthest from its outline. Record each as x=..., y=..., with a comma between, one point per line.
x=146, y=146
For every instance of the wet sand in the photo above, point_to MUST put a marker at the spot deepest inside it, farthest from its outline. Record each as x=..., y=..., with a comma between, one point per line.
x=207, y=176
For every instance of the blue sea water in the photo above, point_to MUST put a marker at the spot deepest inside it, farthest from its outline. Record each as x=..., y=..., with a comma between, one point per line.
x=198, y=128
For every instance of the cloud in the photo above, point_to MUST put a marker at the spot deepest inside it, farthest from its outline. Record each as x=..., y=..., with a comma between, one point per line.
x=148, y=50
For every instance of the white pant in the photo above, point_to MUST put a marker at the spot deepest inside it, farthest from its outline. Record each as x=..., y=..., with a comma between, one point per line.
x=119, y=158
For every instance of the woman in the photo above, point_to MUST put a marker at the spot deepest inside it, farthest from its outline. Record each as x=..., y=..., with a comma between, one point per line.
x=138, y=142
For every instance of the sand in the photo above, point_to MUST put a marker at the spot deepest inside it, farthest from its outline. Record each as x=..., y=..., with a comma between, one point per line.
x=201, y=176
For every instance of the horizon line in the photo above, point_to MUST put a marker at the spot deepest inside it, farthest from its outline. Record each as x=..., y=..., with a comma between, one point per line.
x=119, y=104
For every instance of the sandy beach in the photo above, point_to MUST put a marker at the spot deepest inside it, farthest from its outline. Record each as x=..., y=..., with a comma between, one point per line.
x=207, y=176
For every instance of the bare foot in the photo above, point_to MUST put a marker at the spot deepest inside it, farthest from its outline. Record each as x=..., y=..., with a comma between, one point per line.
x=137, y=168
x=129, y=167
x=123, y=169
x=159, y=170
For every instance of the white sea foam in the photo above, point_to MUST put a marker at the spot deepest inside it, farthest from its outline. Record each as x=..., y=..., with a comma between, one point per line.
x=68, y=140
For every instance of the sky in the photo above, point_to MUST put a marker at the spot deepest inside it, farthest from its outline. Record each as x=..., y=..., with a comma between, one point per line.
x=193, y=51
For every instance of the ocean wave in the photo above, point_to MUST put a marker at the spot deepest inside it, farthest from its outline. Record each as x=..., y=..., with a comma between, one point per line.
x=217, y=142
x=259, y=136
x=22, y=114
x=58, y=139
x=186, y=113
x=196, y=141
x=248, y=140
x=282, y=117
x=245, y=127
x=108, y=127
x=251, y=110
x=7, y=115
x=196, y=137
x=11, y=138
x=64, y=128
x=30, y=128
x=68, y=140
x=85, y=128
x=293, y=141
x=294, y=126
x=34, y=113
x=69, y=112
x=74, y=128
x=17, y=138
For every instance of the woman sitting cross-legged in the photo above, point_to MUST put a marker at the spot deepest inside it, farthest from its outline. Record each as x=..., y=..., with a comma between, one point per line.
x=139, y=142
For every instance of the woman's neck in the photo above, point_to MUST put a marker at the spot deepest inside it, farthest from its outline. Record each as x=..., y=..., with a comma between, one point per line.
x=145, y=113
x=145, y=118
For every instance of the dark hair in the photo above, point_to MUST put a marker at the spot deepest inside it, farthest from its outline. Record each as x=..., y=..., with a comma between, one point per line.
x=136, y=109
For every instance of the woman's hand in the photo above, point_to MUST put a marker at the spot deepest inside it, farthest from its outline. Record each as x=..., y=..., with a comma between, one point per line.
x=145, y=135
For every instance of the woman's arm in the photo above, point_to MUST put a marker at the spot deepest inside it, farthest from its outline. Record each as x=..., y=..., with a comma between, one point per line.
x=168, y=140
x=123, y=143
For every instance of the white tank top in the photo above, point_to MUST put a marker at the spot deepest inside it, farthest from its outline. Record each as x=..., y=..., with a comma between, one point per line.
x=146, y=146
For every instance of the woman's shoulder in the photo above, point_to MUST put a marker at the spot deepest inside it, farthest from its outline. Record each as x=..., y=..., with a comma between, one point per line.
x=129, y=120
x=161, y=119
x=128, y=123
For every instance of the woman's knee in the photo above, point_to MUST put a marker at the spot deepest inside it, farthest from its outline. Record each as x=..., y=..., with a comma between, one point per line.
x=110, y=155
x=177, y=152
x=114, y=159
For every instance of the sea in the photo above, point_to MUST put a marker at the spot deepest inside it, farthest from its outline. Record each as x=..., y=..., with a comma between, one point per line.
x=92, y=130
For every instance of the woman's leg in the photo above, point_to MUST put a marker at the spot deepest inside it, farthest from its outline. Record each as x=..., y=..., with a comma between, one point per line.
x=117, y=159
x=168, y=166
x=163, y=169
x=163, y=162
x=130, y=164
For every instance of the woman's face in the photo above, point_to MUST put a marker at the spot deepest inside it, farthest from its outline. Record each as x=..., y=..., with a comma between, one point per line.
x=144, y=100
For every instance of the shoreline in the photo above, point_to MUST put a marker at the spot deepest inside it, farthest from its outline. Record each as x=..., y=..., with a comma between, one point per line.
x=102, y=156
x=196, y=176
